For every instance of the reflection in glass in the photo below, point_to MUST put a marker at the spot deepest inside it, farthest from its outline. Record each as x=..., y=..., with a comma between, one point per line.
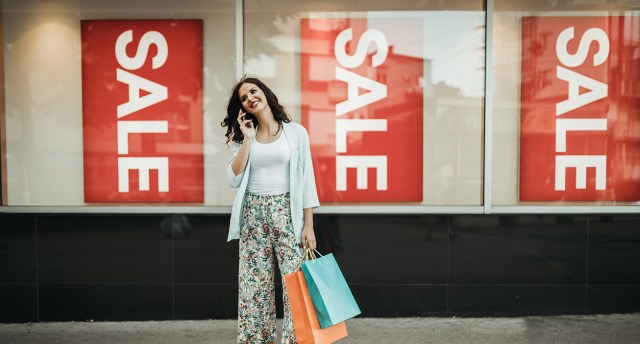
x=530, y=139
x=447, y=50
x=43, y=139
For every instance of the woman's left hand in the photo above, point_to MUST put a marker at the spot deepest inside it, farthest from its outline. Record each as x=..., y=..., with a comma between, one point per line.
x=308, y=237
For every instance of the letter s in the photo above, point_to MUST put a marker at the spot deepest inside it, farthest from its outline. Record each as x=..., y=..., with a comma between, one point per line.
x=368, y=37
x=135, y=62
x=593, y=34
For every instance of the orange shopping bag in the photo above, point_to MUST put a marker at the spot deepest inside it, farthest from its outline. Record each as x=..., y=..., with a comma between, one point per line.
x=305, y=321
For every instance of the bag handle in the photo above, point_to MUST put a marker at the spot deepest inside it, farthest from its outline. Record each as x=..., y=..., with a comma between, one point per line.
x=309, y=254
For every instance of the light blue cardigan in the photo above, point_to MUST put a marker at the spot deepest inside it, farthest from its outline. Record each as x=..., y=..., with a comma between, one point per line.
x=302, y=182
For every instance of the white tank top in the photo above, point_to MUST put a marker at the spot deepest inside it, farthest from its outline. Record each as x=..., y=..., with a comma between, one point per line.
x=269, y=173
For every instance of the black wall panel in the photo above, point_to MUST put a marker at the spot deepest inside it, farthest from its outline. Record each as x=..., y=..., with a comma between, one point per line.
x=104, y=249
x=613, y=250
x=518, y=250
x=63, y=267
x=387, y=249
x=18, y=249
x=18, y=268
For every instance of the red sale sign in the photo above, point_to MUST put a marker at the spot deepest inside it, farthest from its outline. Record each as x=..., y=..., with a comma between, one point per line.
x=580, y=109
x=362, y=104
x=142, y=111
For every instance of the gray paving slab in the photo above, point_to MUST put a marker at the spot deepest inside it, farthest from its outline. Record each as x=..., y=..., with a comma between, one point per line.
x=613, y=328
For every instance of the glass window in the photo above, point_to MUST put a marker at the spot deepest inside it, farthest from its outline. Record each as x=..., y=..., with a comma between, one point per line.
x=391, y=94
x=566, y=108
x=47, y=159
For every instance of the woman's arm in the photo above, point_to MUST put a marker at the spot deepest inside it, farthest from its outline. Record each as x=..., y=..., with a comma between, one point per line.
x=240, y=158
x=239, y=163
x=308, y=235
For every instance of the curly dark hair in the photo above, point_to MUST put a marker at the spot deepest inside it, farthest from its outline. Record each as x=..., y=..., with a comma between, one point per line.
x=231, y=119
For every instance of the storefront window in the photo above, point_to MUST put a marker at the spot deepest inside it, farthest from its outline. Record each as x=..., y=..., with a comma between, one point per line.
x=566, y=109
x=66, y=144
x=390, y=93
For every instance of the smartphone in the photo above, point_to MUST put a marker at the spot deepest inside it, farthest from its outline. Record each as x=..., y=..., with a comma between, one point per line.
x=252, y=117
x=247, y=115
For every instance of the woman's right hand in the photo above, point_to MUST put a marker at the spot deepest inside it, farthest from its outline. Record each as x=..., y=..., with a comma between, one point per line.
x=246, y=126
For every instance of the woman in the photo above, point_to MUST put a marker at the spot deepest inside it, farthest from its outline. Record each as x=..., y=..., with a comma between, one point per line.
x=272, y=213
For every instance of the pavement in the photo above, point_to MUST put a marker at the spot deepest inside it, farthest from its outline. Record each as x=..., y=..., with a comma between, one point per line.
x=612, y=328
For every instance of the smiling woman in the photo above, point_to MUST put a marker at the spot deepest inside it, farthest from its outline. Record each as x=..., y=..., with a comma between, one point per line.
x=272, y=213
x=240, y=102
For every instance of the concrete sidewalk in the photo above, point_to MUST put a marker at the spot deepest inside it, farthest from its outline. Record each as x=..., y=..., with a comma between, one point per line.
x=615, y=328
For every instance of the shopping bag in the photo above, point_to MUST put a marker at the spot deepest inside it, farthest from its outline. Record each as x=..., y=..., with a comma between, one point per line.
x=305, y=322
x=330, y=294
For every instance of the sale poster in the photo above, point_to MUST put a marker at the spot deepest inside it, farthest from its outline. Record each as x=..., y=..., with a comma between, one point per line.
x=580, y=109
x=362, y=103
x=142, y=111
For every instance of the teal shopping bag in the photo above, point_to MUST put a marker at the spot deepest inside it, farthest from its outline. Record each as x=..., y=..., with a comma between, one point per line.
x=330, y=294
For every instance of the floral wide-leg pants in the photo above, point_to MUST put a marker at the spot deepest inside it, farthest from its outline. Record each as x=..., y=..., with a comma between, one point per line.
x=266, y=232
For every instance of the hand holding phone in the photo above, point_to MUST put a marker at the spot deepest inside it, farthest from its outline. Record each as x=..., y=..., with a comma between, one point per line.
x=245, y=120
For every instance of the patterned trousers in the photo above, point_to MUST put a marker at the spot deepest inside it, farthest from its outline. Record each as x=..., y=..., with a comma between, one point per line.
x=266, y=232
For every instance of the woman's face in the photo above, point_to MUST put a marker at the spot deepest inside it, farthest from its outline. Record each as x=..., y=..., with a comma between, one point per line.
x=252, y=98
